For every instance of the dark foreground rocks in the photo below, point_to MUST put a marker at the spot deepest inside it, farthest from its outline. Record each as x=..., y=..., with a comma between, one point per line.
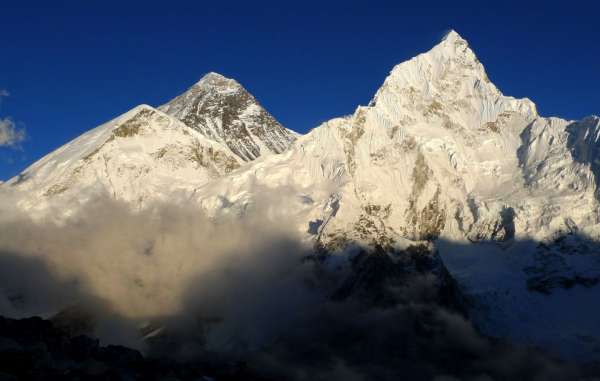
x=35, y=349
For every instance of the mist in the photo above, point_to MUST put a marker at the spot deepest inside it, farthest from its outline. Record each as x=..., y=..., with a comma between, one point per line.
x=241, y=289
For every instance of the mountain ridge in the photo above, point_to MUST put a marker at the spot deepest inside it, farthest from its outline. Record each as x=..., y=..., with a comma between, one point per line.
x=439, y=156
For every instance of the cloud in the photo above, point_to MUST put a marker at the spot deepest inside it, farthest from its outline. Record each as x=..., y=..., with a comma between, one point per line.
x=143, y=263
x=10, y=135
x=238, y=290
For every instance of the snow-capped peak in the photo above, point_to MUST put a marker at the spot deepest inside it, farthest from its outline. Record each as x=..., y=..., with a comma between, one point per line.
x=452, y=40
x=447, y=80
x=139, y=156
x=224, y=111
x=453, y=46
x=452, y=35
x=211, y=75
x=218, y=82
x=451, y=54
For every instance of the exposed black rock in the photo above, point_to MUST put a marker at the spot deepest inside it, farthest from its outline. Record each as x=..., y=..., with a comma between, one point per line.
x=223, y=111
x=391, y=277
x=35, y=349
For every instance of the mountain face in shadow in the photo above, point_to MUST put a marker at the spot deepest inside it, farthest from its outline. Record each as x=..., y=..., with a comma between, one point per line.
x=389, y=315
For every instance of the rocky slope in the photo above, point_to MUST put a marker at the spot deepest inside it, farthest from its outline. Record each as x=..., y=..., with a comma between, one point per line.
x=222, y=110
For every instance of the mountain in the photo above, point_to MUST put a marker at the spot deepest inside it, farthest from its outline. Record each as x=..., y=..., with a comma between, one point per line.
x=507, y=197
x=439, y=161
x=223, y=111
x=148, y=155
x=438, y=151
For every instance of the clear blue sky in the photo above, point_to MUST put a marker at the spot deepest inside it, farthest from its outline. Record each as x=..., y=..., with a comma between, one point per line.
x=70, y=66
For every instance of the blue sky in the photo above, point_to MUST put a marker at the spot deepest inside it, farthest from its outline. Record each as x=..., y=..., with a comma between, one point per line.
x=70, y=66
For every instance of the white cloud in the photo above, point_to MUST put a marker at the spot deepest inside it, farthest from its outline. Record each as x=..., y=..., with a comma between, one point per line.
x=10, y=135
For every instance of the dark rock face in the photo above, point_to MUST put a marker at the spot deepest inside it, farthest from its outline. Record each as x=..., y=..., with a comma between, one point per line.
x=35, y=349
x=386, y=278
x=426, y=223
x=553, y=267
x=223, y=111
x=547, y=284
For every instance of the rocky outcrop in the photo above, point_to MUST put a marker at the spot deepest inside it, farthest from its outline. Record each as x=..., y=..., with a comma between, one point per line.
x=558, y=262
x=223, y=111
x=387, y=277
x=35, y=349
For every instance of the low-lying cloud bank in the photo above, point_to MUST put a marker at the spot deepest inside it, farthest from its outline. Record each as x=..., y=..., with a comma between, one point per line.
x=150, y=265
x=142, y=263
x=240, y=289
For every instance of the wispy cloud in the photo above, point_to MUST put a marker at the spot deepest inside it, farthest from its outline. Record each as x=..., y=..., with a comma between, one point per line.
x=10, y=135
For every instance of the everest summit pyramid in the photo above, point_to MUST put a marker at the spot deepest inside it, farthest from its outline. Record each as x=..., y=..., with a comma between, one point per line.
x=222, y=110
